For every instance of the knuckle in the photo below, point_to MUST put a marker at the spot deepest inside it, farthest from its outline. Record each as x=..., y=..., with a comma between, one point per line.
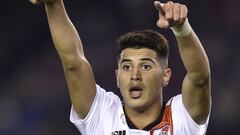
x=177, y=5
x=169, y=2
x=176, y=8
x=184, y=7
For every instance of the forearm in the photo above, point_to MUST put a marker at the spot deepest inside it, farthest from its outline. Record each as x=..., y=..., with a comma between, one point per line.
x=194, y=57
x=64, y=34
x=196, y=87
x=78, y=72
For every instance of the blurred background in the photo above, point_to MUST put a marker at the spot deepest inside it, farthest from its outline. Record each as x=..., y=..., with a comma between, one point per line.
x=33, y=94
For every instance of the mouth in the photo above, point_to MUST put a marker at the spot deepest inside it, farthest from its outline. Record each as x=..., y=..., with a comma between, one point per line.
x=135, y=92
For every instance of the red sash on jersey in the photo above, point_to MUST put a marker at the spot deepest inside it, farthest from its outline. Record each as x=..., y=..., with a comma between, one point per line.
x=165, y=127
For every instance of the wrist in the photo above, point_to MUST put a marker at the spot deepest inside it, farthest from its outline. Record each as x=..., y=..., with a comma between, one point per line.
x=53, y=5
x=183, y=30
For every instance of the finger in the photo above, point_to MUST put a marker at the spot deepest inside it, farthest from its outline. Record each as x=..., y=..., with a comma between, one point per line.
x=159, y=7
x=183, y=13
x=176, y=13
x=169, y=11
x=162, y=22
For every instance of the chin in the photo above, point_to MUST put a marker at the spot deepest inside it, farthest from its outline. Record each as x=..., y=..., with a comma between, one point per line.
x=136, y=104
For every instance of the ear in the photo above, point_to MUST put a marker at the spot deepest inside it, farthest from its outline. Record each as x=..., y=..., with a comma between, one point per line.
x=166, y=76
x=117, y=79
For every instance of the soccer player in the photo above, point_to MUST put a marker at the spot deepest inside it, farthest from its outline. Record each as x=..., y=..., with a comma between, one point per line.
x=142, y=74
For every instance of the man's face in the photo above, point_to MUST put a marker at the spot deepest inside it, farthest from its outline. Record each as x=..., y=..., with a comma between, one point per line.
x=141, y=77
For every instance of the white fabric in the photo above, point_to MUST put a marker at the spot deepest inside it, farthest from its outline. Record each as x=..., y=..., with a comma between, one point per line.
x=106, y=117
x=182, y=31
x=183, y=124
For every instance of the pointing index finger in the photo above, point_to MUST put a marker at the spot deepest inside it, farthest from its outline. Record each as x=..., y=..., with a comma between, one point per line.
x=162, y=21
x=159, y=7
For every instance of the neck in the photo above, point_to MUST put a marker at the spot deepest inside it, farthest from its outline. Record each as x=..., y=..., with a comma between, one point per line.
x=143, y=118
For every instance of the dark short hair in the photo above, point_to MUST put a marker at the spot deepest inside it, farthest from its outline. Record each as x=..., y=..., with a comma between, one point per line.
x=145, y=39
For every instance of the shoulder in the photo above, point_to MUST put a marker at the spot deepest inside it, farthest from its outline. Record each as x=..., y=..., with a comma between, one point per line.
x=104, y=111
x=182, y=121
x=105, y=96
x=103, y=101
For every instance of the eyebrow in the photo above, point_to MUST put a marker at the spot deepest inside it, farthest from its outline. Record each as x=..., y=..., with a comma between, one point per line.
x=125, y=60
x=143, y=59
x=148, y=59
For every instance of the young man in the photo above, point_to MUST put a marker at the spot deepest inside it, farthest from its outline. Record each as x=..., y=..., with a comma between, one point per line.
x=141, y=75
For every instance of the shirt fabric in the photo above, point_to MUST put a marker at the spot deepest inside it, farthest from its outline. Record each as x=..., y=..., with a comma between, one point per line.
x=106, y=117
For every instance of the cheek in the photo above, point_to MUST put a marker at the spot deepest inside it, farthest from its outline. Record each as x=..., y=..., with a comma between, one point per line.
x=122, y=79
x=123, y=82
x=154, y=87
x=154, y=81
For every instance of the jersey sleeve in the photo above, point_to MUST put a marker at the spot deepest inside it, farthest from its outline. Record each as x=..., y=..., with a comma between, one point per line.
x=102, y=102
x=183, y=124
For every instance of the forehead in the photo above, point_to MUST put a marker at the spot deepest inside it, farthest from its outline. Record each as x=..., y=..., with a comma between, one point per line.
x=131, y=53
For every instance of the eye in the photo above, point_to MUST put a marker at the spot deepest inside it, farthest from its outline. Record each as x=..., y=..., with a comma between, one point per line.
x=126, y=67
x=146, y=67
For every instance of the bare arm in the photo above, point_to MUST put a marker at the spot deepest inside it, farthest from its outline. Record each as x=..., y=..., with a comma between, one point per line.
x=78, y=72
x=196, y=88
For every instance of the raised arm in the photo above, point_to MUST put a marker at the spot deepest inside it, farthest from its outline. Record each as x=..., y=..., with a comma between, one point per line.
x=196, y=88
x=78, y=72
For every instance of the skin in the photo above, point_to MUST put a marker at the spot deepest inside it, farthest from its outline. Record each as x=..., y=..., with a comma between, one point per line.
x=142, y=69
x=196, y=87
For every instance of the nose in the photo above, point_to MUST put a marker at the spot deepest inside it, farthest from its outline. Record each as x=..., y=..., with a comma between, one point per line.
x=136, y=75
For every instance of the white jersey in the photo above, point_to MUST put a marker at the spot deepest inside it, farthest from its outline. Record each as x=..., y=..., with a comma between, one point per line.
x=106, y=117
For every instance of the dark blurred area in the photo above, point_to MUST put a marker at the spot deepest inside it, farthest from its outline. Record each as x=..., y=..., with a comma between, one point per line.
x=34, y=98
